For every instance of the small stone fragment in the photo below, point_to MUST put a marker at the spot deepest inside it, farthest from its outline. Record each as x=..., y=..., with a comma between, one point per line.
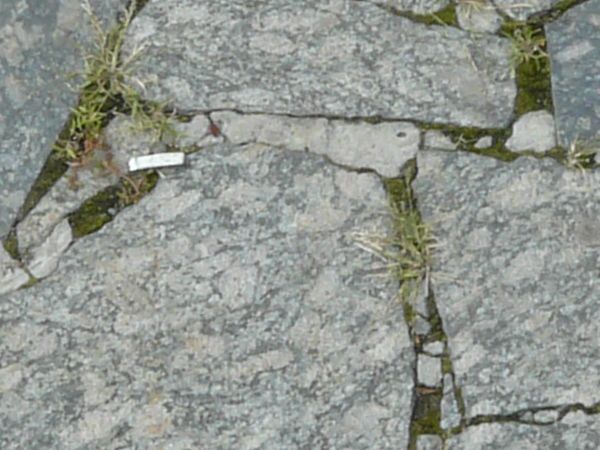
x=434, y=348
x=429, y=370
x=484, y=142
x=429, y=442
x=533, y=131
x=12, y=277
x=45, y=258
x=546, y=416
x=449, y=406
x=156, y=161
x=421, y=326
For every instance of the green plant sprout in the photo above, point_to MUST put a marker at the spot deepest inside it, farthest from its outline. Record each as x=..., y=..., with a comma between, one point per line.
x=580, y=155
x=407, y=252
x=528, y=45
x=106, y=88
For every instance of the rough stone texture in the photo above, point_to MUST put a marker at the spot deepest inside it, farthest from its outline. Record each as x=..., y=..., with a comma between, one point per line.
x=228, y=309
x=434, y=348
x=519, y=249
x=576, y=431
x=39, y=49
x=414, y=6
x=12, y=277
x=383, y=147
x=339, y=57
x=429, y=442
x=196, y=134
x=429, y=370
x=574, y=46
x=435, y=139
x=45, y=258
x=484, y=142
x=522, y=9
x=478, y=15
x=450, y=413
x=533, y=131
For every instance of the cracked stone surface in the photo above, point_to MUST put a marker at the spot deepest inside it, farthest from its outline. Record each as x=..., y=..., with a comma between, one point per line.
x=383, y=147
x=519, y=250
x=337, y=57
x=575, y=431
x=247, y=329
x=39, y=49
x=574, y=45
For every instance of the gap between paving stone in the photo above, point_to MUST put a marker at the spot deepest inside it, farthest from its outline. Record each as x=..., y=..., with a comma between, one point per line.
x=430, y=398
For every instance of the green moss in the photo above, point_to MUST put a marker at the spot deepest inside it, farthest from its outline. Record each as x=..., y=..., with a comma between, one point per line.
x=94, y=213
x=446, y=365
x=427, y=414
x=444, y=17
x=409, y=313
x=53, y=169
x=11, y=245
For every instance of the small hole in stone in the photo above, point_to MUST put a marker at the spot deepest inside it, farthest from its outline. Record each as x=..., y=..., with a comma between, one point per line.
x=401, y=134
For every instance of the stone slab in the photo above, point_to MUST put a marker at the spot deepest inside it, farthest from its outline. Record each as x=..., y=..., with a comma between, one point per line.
x=383, y=147
x=228, y=309
x=575, y=431
x=523, y=9
x=517, y=286
x=334, y=58
x=39, y=49
x=574, y=48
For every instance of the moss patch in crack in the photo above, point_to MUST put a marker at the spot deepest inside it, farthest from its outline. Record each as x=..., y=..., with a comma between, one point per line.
x=11, y=245
x=444, y=17
x=102, y=207
x=531, y=64
x=426, y=416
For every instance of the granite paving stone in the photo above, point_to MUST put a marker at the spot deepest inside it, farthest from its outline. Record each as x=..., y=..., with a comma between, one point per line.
x=39, y=49
x=575, y=431
x=200, y=318
x=517, y=266
x=574, y=46
x=333, y=58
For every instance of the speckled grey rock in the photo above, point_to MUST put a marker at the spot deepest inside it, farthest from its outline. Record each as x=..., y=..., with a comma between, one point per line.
x=450, y=413
x=574, y=47
x=429, y=442
x=435, y=348
x=383, y=147
x=45, y=258
x=429, y=370
x=533, y=131
x=228, y=309
x=478, y=15
x=414, y=6
x=519, y=249
x=303, y=58
x=522, y=9
x=39, y=49
x=12, y=276
x=435, y=139
x=484, y=142
x=575, y=431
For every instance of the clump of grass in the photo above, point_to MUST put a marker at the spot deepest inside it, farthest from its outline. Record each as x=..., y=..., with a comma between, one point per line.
x=473, y=6
x=528, y=45
x=580, y=155
x=407, y=251
x=106, y=88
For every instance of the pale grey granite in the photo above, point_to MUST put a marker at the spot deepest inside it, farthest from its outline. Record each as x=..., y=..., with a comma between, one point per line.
x=575, y=431
x=40, y=44
x=338, y=58
x=519, y=248
x=574, y=47
x=533, y=131
x=230, y=308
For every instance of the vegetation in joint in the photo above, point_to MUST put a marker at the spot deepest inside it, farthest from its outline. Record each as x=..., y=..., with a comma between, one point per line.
x=444, y=17
x=11, y=245
x=102, y=207
x=426, y=416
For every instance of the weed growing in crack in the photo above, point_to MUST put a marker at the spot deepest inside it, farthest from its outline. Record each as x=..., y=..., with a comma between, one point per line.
x=407, y=251
x=580, y=155
x=528, y=45
x=106, y=88
x=470, y=7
